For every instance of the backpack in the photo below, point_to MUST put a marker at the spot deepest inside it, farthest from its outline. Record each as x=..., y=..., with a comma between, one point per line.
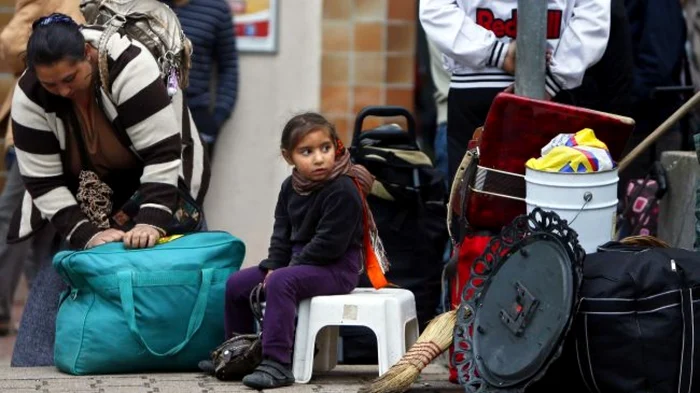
x=408, y=203
x=150, y=22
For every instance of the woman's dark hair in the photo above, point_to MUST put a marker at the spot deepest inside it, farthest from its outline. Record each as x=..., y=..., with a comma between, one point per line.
x=54, y=38
x=300, y=125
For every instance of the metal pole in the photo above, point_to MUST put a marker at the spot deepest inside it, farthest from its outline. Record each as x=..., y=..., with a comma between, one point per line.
x=531, y=47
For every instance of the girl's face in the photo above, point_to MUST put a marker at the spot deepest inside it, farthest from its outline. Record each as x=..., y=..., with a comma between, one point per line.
x=66, y=78
x=314, y=155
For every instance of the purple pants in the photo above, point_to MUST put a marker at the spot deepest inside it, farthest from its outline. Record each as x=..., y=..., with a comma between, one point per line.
x=284, y=289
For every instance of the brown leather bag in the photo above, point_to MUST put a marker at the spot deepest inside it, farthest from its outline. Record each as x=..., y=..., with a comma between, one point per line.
x=242, y=353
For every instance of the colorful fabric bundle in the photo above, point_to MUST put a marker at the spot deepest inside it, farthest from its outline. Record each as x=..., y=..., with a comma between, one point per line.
x=581, y=152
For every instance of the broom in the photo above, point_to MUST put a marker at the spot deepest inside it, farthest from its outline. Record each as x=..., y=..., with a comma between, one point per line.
x=435, y=340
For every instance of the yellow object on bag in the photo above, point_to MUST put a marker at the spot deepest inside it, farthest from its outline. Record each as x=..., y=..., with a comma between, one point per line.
x=168, y=239
x=581, y=152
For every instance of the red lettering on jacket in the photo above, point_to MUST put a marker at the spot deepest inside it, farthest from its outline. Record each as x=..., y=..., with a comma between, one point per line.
x=508, y=28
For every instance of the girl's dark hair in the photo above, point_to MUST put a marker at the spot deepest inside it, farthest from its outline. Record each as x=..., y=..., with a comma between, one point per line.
x=300, y=125
x=54, y=38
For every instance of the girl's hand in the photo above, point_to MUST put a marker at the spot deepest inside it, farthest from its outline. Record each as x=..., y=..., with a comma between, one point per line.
x=141, y=236
x=107, y=236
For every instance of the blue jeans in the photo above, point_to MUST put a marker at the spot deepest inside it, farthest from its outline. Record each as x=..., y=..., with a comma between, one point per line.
x=440, y=147
x=442, y=164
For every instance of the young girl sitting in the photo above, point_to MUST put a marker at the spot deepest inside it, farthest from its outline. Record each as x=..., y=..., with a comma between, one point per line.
x=322, y=224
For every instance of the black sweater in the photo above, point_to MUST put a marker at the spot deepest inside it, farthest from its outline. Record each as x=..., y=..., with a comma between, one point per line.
x=326, y=223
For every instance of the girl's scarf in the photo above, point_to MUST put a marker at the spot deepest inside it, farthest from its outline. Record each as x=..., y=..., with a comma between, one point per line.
x=376, y=262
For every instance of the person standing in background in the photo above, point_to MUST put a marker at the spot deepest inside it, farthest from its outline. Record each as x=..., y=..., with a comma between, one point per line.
x=691, y=9
x=30, y=255
x=478, y=40
x=209, y=25
x=658, y=43
x=441, y=81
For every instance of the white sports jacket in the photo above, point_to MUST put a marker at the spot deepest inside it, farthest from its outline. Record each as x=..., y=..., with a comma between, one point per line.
x=474, y=35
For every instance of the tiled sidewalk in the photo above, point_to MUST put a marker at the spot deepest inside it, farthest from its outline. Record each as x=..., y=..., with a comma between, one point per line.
x=342, y=379
x=50, y=380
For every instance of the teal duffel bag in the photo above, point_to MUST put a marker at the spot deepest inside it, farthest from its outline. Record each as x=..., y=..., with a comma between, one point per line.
x=156, y=309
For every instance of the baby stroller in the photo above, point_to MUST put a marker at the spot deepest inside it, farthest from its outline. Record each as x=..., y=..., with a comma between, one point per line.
x=408, y=203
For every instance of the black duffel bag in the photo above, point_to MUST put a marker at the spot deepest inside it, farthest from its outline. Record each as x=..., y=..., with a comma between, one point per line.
x=638, y=322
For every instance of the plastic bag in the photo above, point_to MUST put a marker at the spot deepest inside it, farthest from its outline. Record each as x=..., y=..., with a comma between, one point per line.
x=581, y=152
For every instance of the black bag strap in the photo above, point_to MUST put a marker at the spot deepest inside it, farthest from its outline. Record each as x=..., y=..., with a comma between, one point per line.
x=685, y=379
x=255, y=300
x=583, y=355
x=632, y=306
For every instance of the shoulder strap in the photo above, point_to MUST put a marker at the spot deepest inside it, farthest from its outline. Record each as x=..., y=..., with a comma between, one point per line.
x=111, y=27
x=255, y=301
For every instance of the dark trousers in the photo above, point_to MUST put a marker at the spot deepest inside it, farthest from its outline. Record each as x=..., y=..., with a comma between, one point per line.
x=26, y=257
x=466, y=111
x=35, y=341
x=284, y=289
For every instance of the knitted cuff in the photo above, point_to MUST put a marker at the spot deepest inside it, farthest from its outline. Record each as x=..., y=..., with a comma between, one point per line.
x=155, y=217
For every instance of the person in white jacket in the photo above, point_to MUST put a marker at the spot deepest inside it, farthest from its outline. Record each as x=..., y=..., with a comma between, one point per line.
x=478, y=41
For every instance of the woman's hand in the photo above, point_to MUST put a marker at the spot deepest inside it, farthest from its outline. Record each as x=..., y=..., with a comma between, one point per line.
x=107, y=236
x=141, y=236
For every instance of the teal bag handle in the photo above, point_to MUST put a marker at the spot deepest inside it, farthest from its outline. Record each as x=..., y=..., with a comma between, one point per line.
x=126, y=291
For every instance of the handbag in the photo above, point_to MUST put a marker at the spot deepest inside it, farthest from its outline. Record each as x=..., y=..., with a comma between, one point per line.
x=242, y=353
x=137, y=310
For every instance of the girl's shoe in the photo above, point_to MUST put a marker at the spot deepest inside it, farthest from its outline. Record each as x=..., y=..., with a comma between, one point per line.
x=207, y=366
x=269, y=374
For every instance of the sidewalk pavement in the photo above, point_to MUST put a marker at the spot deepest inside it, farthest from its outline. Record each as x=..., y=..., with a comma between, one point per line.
x=341, y=379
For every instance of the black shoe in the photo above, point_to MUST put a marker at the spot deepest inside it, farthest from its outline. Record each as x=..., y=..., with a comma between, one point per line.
x=207, y=366
x=269, y=374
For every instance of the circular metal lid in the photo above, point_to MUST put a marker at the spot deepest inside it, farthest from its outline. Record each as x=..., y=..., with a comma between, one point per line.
x=518, y=304
x=523, y=312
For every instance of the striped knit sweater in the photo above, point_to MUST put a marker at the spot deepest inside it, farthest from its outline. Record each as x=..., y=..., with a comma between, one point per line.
x=159, y=131
x=209, y=25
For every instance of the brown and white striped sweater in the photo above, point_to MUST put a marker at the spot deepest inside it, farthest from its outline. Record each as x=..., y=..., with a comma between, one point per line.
x=156, y=127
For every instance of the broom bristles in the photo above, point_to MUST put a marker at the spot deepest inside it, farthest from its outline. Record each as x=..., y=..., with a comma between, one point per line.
x=435, y=340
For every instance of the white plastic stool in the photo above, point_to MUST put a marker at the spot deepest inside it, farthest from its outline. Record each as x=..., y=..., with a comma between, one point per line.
x=389, y=312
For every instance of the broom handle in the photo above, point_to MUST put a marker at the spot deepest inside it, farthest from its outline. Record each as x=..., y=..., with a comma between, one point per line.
x=660, y=130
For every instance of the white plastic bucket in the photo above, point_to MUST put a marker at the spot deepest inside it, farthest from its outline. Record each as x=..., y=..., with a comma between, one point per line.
x=587, y=201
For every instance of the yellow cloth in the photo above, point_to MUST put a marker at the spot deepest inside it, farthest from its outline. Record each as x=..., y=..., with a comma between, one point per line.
x=581, y=152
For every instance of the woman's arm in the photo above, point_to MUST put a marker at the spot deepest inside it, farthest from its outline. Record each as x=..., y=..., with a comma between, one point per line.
x=227, y=59
x=581, y=45
x=39, y=159
x=151, y=123
x=459, y=37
